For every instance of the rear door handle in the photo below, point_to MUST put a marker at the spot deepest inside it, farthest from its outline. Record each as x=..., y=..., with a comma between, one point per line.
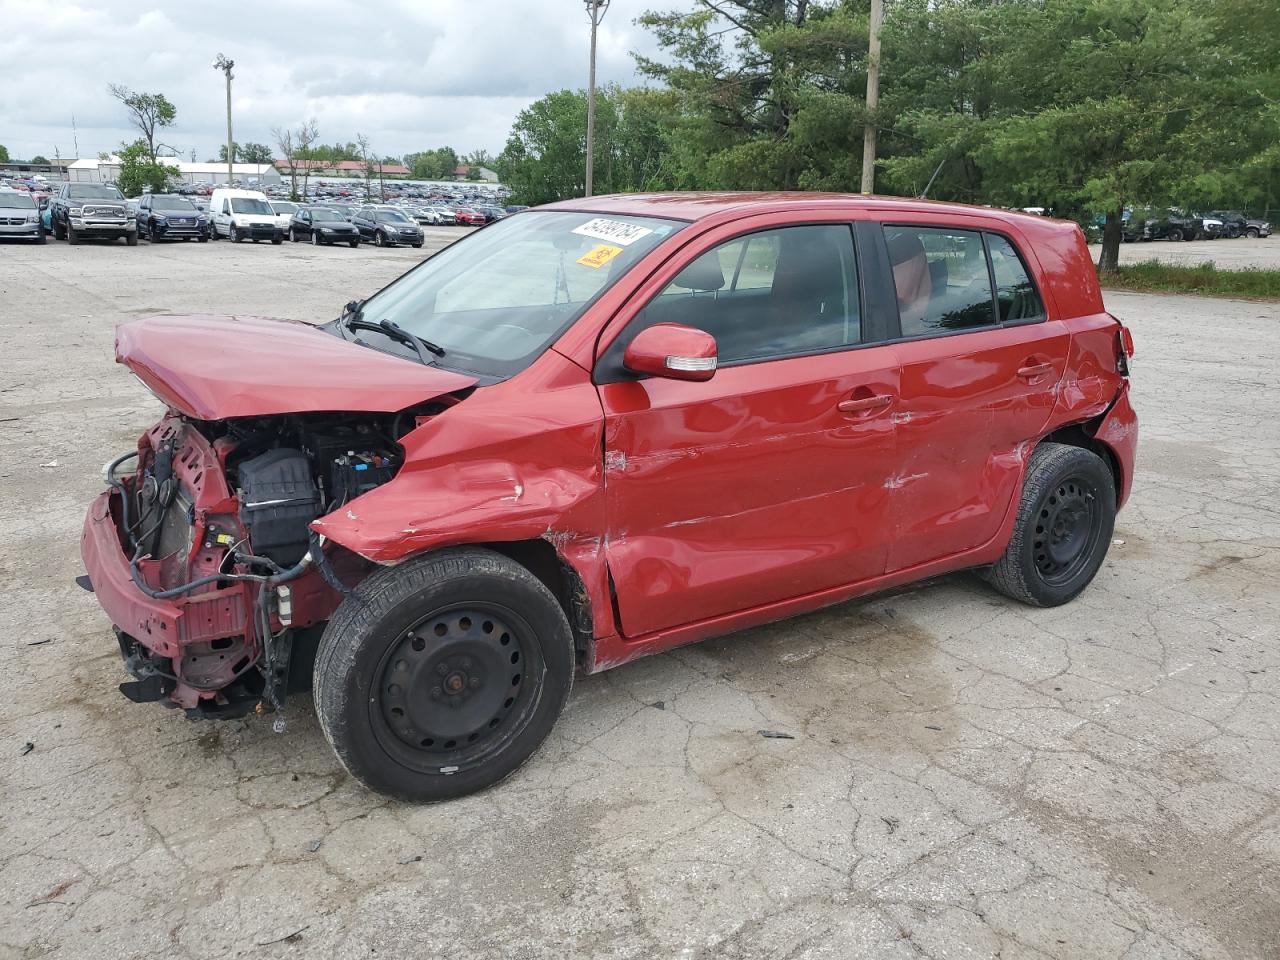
x=1035, y=370
x=864, y=404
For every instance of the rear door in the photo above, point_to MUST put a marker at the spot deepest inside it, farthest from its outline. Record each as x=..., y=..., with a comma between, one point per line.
x=981, y=360
x=768, y=481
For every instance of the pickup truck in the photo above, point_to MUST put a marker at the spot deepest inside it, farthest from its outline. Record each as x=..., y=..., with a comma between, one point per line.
x=91, y=210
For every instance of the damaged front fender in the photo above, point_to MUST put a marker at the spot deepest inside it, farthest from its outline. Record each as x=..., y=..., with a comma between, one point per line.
x=479, y=473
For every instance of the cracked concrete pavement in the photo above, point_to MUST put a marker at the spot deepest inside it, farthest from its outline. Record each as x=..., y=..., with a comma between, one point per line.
x=969, y=778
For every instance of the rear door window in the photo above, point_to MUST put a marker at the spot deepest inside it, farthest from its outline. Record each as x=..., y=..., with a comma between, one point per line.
x=941, y=279
x=1016, y=295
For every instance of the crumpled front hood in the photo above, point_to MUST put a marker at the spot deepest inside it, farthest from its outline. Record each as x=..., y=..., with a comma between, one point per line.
x=212, y=368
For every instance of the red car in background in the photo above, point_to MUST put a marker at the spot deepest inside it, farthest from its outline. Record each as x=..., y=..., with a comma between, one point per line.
x=472, y=218
x=595, y=431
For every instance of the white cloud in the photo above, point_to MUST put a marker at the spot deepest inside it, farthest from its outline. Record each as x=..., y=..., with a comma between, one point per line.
x=410, y=74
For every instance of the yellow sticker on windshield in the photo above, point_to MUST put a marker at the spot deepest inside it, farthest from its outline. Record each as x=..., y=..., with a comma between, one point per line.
x=599, y=255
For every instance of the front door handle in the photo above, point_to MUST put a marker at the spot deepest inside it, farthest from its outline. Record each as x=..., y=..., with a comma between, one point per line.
x=1035, y=370
x=864, y=404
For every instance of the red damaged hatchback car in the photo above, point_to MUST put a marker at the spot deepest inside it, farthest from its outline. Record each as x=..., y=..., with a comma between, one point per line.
x=597, y=430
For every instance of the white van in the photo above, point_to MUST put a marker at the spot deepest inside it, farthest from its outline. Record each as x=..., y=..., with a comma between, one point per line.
x=243, y=215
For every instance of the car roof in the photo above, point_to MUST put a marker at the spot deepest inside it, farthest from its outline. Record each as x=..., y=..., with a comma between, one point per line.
x=699, y=206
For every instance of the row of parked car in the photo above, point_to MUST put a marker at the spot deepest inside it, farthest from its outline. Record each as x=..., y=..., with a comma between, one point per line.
x=1178, y=225
x=79, y=211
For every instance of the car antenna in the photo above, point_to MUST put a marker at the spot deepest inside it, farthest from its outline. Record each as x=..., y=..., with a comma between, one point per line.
x=925, y=192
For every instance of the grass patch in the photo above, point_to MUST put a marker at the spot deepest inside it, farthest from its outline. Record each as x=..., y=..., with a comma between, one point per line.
x=1206, y=279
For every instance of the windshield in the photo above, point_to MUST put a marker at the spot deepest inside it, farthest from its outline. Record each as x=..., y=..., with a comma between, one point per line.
x=281, y=206
x=171, y=203
x=393, y=216
x=21, y=201
x=94, y=191
x=497, y=300
x=321, y=213
x=250, y=205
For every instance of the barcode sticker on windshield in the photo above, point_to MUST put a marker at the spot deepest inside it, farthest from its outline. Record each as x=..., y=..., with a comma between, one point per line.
x=615, y=231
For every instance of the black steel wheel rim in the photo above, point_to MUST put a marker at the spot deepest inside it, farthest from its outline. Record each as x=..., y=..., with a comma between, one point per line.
x=1067, y=530
x=455, y=686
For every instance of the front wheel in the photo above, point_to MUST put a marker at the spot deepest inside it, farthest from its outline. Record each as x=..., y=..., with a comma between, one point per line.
x=379, y=239
x=440, y=676
x=355, y=243
x=1175, y=235
x=233, y=234
x=1063, y=528
x=315, y=238
x=1251, y=233
x=131, y=239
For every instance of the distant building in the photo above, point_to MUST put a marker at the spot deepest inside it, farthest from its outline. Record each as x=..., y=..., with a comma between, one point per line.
x=53, y=170
x=98, y=171
x=462, y=171
x=340, y=168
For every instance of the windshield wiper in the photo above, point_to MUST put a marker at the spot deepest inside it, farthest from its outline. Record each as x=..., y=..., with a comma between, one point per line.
x=396, y=332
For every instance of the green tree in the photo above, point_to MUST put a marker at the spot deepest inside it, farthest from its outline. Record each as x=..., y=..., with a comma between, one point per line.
x=40, y=158
x=4, y=154
x=437, y=164
x=149, y=112
x=138, y=172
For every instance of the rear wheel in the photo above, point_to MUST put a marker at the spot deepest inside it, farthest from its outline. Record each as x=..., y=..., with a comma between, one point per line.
x=1063, y=527
x=439, y=677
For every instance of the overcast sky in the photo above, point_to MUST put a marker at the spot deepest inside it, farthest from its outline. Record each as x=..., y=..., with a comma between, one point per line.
x=410, y=74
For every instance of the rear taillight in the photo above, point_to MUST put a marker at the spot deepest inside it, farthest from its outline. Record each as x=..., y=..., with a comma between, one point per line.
x=1124, y=350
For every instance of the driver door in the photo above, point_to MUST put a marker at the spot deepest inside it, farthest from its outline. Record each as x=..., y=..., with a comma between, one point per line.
x=756, y=485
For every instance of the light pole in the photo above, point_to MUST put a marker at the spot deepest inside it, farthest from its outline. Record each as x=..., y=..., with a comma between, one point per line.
x=595, y=10
x=873, y=98
x=225, y=65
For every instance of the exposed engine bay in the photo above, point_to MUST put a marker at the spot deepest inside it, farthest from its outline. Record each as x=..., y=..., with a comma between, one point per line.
x=215, y=518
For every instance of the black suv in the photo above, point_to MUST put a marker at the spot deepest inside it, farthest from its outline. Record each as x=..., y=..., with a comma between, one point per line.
x=387, y=226
x=167, y=216
x=1173, y=226
x=82, y=210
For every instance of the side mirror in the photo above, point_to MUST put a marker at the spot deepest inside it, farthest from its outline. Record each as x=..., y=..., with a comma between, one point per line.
x=672, y=351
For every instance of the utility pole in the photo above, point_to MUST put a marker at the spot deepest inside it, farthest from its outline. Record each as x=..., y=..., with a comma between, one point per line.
x=225, y=65
x=873, y=98
x=596, y=11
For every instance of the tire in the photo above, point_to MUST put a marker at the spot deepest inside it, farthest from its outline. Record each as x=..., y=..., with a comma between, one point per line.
x=131, y=239
x=293, y=235
x=203, y=239
x=233, y=234
x=1175, y=234
x=277, y=238
x=417, y=246
x=41, y=236
x=1252, y=233
x=153, y=234
x=355, y=243
x=1069, y=494
x=379, y=239
x=315, y=238
x=59, y=231
x=72, y=237
x=425, y=620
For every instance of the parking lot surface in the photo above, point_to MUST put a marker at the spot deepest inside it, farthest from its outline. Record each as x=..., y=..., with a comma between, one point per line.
x=967, y=777
x=1241, y=254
